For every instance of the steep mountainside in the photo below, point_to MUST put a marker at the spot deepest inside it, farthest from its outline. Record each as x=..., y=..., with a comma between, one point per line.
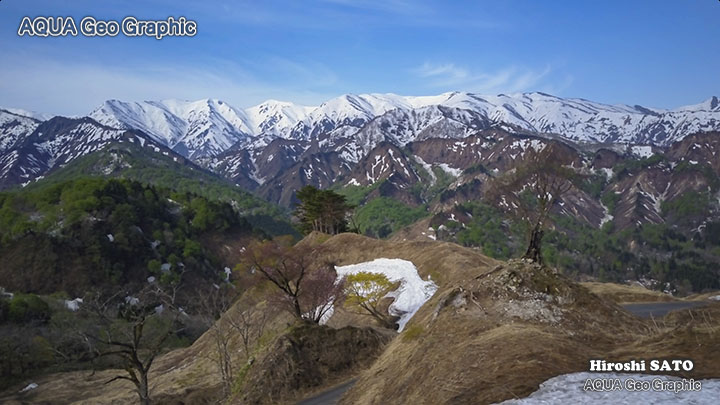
x=241, y=144
x=648, y=179
x=195, y=129
x=57, y=142
x=13, y=127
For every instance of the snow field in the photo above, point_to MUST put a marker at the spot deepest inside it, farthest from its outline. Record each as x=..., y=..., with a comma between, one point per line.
x=412, y=293
x=569, y=389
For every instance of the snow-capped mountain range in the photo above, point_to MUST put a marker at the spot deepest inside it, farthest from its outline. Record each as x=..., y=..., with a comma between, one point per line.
x=209, y=127
x=278, y=140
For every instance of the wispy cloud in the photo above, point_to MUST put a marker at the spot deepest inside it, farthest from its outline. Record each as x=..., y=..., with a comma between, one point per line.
x=445, y=73
x=294, y=72
x=344, y=15
x=76, y=88
x=449, y=76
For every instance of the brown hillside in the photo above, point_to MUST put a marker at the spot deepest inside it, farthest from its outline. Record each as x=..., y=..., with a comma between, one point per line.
x=493, y=331
x=621, y=293
x=499, y=334
x=190, y=375
x=307, y=357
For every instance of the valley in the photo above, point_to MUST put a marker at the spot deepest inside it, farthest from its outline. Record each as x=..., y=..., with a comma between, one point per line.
x=359, y=202
x=200, y=220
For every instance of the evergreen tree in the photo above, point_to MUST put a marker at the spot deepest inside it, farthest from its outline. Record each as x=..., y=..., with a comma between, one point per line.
x=321, y=210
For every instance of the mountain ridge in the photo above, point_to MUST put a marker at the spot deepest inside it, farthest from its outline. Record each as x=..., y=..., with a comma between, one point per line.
x=209, y=127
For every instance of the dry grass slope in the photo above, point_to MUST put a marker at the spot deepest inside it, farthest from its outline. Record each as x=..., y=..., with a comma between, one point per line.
x=626, y=293
x=493, y=331
x=495, y=336
x=307, y=357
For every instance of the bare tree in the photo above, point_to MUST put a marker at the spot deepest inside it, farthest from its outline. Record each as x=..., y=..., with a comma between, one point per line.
x=530, y=191
x=306, y=283
x=229, y=319
x=213, y=304
x=249, y=322
x=134, y=328
x=321, y=292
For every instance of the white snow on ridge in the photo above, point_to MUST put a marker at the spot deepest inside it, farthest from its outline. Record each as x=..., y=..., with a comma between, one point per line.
x=450, y=170
x=412, y=293
x=643, y=151
x=568, y=389
x=40, y=116
x=276, y=117
x=208, y=127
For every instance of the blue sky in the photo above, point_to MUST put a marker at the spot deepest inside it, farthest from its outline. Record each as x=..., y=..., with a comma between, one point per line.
x=654, y=53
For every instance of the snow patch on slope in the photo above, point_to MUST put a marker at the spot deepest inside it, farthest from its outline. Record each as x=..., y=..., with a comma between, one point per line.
x=412, y=293
x=450, y=170
x=568, y=389
x=427, y=167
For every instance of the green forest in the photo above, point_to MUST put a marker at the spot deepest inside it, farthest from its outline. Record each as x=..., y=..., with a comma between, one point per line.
x=68, y=236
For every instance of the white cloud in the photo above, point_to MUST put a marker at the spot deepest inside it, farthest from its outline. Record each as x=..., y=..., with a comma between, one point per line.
x=76, y=88
x=447, y=72
x=449, y=76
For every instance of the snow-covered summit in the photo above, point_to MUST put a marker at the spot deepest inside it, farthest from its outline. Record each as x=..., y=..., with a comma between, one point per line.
x=194, y=128
x=573, y=118
x=208, y=127
x=711, y=104
x=276, y=117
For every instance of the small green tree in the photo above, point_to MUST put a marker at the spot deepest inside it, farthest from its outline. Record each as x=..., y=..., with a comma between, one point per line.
x=28, y=307
x=366, y=291
x=154, y=266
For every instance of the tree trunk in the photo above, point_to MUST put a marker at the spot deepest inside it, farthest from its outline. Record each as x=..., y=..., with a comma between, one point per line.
x=143, y=389
x=534, y=252
x=296, y=307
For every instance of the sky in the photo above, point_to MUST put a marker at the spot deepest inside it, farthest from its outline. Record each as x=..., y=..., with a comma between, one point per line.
x=657, y=53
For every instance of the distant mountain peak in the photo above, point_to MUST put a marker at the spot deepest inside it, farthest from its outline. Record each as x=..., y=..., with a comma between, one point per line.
x=208, y=127
x=38, y=116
